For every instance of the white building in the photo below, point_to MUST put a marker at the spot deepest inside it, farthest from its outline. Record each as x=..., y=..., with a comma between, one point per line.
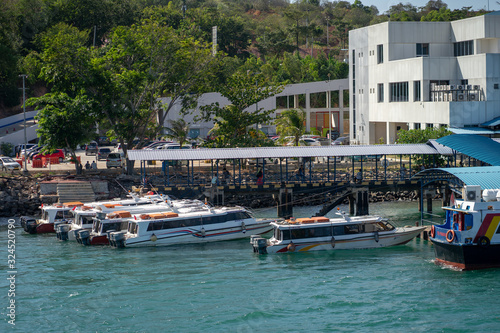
x=410, y=75
x=319, y=100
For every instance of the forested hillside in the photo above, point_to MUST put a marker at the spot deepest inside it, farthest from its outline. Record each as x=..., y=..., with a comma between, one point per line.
x=286, y=41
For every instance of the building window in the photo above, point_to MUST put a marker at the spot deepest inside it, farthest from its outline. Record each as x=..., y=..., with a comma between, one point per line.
x=398, y=92
x=380, y=54
x=346, y=98
x=416, y=91
x=416, y=126
x=284, y=102
x=318, y=100
x=302, y=101
x=422, y=49
x=463, y=48
x=380, y=98
x=335, y=99
x=428, y=125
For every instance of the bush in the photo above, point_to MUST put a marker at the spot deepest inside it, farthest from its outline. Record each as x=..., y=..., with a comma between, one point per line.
x=7, y=149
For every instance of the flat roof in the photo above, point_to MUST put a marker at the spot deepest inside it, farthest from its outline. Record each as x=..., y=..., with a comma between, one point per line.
x=280, y=152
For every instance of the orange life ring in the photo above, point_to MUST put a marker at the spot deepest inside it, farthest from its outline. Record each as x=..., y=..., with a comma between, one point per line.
x=452, y=233
x=432, y=233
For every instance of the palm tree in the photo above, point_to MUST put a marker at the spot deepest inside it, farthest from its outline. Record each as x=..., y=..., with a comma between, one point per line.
x=291, y=123
x=178, y=131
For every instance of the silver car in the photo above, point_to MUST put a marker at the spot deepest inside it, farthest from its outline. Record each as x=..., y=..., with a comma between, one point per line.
x=8, y=164
x=114, y=160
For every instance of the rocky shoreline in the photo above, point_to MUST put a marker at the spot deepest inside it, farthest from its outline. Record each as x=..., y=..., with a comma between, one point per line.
x=20, y=194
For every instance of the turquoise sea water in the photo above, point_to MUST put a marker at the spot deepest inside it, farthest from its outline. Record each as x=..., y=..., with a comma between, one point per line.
x=225, y=287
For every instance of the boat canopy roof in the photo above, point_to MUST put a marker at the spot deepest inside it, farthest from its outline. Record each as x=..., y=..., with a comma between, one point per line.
x=486, y=177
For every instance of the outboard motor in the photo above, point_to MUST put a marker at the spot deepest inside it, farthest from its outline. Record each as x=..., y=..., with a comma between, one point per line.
x=260, y=245
x=117, y=239
x=30, y=226
x=72, y=234
x=62, y=232
x=83, y=237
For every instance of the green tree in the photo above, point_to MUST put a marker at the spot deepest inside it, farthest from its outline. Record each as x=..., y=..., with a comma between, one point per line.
x=233, y=121
x=64, y=122
x=291, y=123
x=422, y=136
x=141, y=64
x=9, y=51
x=178, y=131
x=67, y=116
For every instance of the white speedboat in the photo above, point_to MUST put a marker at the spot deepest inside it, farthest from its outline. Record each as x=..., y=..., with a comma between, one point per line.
x=64, y=213
x=96, y=231
x=197, y=224
x=85, y=216
x=321, y=233
x=51, y=215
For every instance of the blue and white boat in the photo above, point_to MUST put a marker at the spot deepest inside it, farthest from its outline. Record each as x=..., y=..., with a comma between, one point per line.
x=470, y=236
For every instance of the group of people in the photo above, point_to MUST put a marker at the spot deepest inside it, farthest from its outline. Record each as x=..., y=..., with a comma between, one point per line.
x=92, y=166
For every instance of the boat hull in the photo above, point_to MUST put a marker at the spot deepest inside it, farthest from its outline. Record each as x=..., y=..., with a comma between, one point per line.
x=194, y=235
x=366, y=241
x=45, y=228
x=467, y=256
x=99, y=240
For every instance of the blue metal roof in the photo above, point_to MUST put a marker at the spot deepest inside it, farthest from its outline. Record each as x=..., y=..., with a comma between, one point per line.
x=473, y=130
x=479, y=147
x=486, y=177
x=493, y=123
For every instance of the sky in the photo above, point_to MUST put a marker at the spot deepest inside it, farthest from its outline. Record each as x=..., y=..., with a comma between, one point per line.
x=383, y=5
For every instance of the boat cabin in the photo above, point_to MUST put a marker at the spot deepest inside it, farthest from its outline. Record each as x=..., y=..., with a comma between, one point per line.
x=327, y=229
x=174, y=221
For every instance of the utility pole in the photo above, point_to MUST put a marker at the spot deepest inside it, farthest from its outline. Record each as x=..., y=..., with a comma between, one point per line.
x=24, y=76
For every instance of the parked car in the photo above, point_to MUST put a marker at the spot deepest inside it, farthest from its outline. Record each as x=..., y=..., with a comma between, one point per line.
x=20, y=148
x=8, y=164
x=91, y=148
x=114, y=160
x=102, y=153
x=343, y=140
x=119, y=149
x=103, y=140
x=156, y=145
x=59, y=153
x=174, y=146
x=30, y=148
x=309, y=142
x=33, y=151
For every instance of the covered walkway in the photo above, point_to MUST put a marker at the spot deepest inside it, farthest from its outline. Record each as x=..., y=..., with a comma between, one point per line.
x=278, y=165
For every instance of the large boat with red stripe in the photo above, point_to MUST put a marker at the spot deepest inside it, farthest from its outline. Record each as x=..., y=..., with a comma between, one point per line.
x=322, y=233
x=470, y=236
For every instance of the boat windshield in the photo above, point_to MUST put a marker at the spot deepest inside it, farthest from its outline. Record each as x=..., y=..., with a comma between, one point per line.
x=132, y=227
x=85, y=219
x=116, y=226
x=96, y=226
x=378, y=226
x=62, y=214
